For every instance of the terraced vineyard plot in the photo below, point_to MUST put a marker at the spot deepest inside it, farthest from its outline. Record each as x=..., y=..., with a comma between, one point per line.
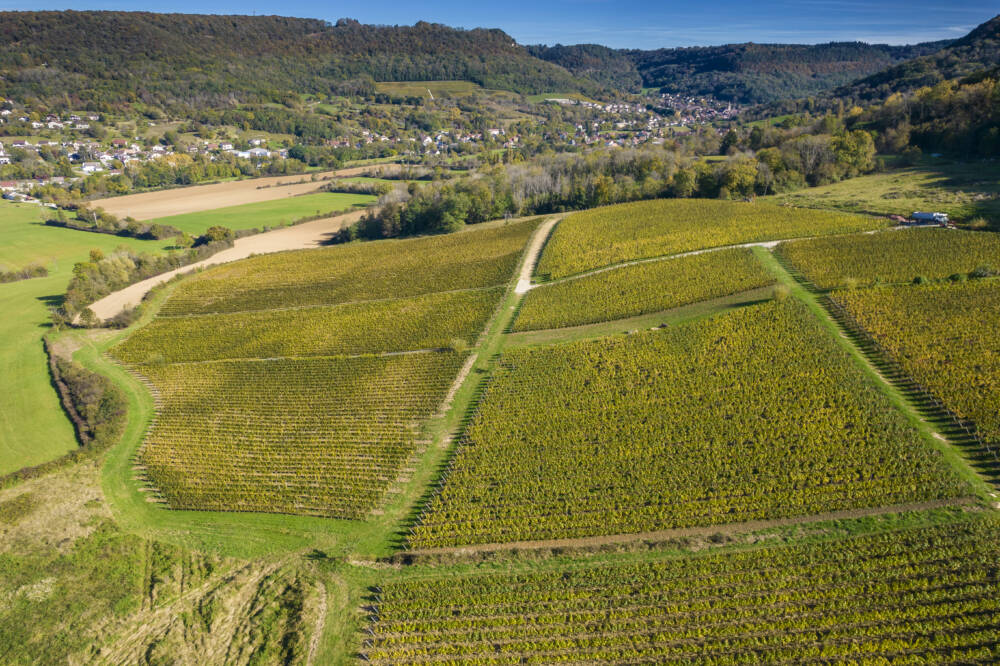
x=752, y=415
x=318, y=436
x=641, y=288
x=924, y=595
x=356, y=272
x=897, y=256
x=424, y=322
x=614, y=234
x=944, y=337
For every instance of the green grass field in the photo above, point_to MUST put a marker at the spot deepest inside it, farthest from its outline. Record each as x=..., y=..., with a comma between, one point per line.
x=963, y=190
x=421, y=88
x=266, y=213
x=25, y=438
x=535, y=99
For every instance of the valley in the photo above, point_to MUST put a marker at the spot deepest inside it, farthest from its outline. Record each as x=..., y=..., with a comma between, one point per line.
x=338, y=343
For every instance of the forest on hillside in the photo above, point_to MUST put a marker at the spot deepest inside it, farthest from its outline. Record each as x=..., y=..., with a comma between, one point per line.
x=102, y=59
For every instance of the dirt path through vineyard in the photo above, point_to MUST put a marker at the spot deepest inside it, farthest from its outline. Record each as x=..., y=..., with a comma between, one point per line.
x=299, y=237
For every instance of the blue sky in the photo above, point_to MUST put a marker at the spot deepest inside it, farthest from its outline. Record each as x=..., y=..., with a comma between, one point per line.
x=639, y=24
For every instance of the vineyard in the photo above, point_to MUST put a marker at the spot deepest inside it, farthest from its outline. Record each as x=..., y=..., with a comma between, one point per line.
x=317, y=436
x=641, y=288
x=270, y=398
x=751, y=415
x=432, y=321
x=899, y=256
x=614, y=234
x=944, y=337
x=919, y=595
x=356, y=272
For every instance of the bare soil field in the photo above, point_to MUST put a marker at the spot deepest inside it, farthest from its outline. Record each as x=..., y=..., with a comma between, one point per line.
x=152, y=205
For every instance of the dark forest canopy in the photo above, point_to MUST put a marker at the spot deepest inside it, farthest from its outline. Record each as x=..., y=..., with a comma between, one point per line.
x=977, y=51
x=752, y=73
x=100, y=58
x=744, y=73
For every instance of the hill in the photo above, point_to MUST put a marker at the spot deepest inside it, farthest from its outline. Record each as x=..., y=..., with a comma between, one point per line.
x=977, y=51
x=753, y=73
x=102, y=58
x=608, y=67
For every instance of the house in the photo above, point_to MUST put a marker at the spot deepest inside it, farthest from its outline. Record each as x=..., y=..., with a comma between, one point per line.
x=225, y=145
x=259, y=152
x=8, y=186
x=119, y=142
x=92, y=167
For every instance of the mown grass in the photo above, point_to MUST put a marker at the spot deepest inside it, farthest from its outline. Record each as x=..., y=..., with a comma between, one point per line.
x=33, y=428
x=964, y=190
x=266, y=213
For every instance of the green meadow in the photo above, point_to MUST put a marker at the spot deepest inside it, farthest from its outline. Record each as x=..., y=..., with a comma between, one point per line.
x=964, y=190
x=26, y=439
x=266, y=213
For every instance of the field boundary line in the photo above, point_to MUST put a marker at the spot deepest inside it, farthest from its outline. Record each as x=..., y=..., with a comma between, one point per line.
x=703, y=531
x=489, y=345
x=715, y=305
x=264, y=359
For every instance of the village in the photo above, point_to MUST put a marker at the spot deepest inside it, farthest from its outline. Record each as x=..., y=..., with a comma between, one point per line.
x=46, y=149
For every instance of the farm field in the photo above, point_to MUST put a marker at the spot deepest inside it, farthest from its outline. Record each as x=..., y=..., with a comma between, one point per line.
x=753, y=414
x=26, y=439
x=638, y=289
x=944, y=337
x=324, y=436
x=626, y=232
x=275, y=213
x=199, y=198
x=892, y=257
x=963, y=190
x=423, y=322
x=917, y=595
x=267, y=411
x=177, y=201
x=357, y=272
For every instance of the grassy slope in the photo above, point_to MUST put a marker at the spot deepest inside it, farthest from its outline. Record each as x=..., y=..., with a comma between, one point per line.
x=963, y=190
x=266, y=213
x=26, y=439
